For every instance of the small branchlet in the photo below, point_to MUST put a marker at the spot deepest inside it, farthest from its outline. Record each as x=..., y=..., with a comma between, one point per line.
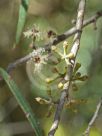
x=50, y=110
x=49, y=93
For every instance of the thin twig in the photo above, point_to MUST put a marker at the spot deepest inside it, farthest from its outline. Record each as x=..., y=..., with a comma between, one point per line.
x=56, y=40
x=74, y=50
x=73, y=30
x=87, y=131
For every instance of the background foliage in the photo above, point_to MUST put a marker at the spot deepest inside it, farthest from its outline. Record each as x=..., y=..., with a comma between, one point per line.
x=56, y=15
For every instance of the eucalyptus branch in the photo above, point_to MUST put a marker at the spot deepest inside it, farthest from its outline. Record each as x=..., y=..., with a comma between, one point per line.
x=74, y=50
x=87, y=131
x=73, y=30
x=56, y=40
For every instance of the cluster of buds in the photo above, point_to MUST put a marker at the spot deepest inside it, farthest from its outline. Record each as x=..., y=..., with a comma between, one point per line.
x=64, y=56
x=39, y=59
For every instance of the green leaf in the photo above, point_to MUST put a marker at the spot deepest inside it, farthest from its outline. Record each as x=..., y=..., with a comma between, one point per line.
x=21, y=19
x=22, y=102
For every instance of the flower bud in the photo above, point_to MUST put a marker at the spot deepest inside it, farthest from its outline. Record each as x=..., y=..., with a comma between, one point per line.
x=65, y=44
x=60, y=85
x=49, y=80
x=53, y=48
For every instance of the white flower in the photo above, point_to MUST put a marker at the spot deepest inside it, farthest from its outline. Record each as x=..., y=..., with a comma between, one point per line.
x=38, y=59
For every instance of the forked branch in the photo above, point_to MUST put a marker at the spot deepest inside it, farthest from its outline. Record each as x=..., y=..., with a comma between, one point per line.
x=74, y=50
x=56, y=40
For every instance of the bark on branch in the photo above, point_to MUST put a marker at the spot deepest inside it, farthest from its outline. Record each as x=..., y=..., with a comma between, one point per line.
x=74, y=50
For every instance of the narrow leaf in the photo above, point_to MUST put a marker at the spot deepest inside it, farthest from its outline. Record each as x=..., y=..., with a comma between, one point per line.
x=22, y=102
x=21, y=19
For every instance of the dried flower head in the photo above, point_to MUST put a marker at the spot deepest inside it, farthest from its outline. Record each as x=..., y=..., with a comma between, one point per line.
x=33, y=33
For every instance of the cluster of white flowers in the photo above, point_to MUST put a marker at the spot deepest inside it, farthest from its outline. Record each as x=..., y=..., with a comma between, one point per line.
x=38, y=51
x=38, y=58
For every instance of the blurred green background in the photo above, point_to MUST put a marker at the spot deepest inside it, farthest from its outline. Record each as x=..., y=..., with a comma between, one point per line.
x=56, y=15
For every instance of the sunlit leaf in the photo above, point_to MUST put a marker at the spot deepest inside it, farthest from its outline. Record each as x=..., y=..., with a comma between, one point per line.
x=49, y=92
